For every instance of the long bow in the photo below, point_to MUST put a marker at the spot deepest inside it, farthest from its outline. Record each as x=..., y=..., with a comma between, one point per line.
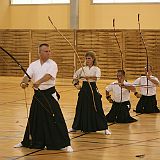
x=46, y=108
x=141, y=36
x=78, y=59
x=119, y=51
x=122, y=63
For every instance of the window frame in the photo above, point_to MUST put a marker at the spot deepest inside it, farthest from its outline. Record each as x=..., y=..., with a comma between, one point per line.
x=108, y=3
x=40, y=3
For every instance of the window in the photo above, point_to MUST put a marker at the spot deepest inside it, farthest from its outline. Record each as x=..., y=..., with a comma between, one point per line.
x=40, y=1
x=125, y=1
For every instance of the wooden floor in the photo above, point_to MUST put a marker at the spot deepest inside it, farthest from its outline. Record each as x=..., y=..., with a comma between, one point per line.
x=139, y=140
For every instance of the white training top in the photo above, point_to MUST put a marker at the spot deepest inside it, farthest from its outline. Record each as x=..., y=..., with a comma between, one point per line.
x=36, y=71
x=116, y=90
x=143, y=89
x=93, y=71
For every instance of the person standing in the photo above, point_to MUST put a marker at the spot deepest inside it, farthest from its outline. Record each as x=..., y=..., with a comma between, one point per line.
x=89, y=116
x=46, y=127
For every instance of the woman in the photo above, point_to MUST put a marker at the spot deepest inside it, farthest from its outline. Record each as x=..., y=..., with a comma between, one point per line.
x=89, y=115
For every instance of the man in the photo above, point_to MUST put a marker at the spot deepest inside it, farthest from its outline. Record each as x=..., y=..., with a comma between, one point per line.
x=46, y=126
x=147, y=102
x=120, y=89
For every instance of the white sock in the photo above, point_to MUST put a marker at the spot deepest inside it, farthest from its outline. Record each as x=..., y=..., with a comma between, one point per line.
x=18, y=145
x=107, y=132
x=69, y=149
x=71, y=130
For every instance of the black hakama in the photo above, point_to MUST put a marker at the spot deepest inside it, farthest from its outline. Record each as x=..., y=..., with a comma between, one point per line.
x=87, y=119
x=119, y=113
x=147, y=104
x=45, y=129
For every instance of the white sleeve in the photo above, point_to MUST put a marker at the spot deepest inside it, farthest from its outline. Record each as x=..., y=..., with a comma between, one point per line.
x=155, y=78
x=77, y=74
x=30, y=71
x=128, y=84
x=53, y=69
x=98, y=73
x=109, y=88
x=137, y=81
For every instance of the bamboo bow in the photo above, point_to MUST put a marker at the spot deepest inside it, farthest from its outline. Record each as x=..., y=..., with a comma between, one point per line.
x=78, y=59
x=141, y=36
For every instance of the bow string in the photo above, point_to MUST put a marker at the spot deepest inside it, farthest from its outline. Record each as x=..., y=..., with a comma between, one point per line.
x=77, y=57
x=141, y=36
x=122, y=67
x=21, y=67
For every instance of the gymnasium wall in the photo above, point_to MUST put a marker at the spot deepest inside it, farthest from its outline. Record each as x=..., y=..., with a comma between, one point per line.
x=22, y=28
x=90, y=16
x=22, y=44
x=101, y=16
